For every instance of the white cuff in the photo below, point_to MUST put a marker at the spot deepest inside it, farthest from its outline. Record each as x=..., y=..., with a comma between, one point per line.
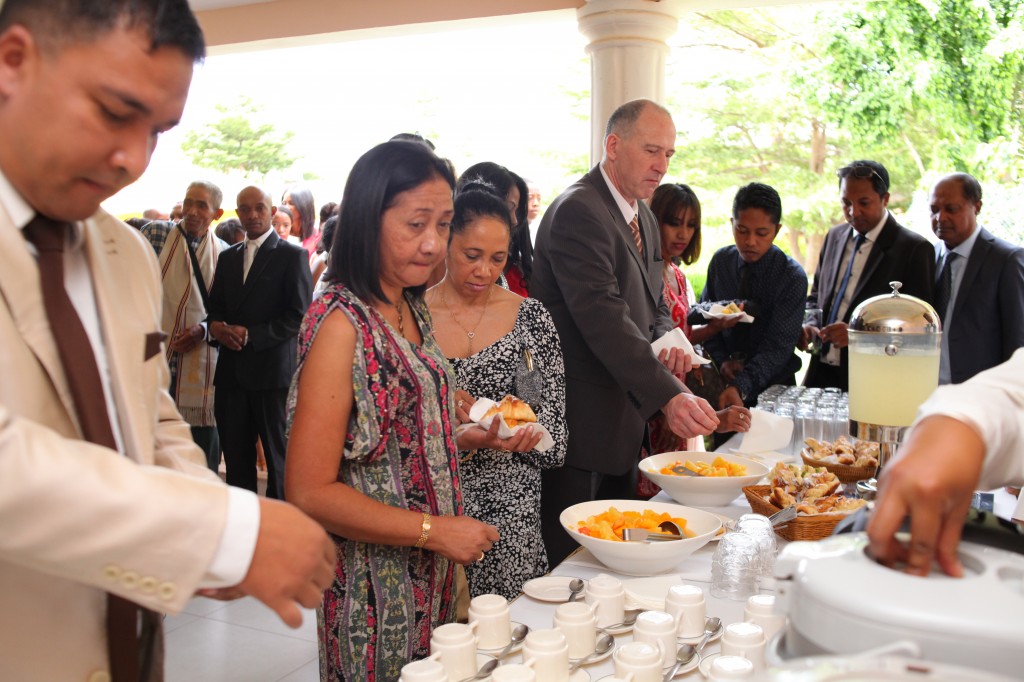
x=238, y=541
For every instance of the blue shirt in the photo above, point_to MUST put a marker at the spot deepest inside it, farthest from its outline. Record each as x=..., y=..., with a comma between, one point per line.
x=779, y=290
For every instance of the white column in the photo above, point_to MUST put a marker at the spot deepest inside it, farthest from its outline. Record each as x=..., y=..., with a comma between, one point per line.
x=627, y=55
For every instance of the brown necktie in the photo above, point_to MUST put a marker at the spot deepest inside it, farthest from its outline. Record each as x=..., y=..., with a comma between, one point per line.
x=130, y=659
x=634, y=225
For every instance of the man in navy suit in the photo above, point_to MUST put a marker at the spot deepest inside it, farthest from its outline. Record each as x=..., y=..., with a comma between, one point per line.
x=979, y=288
x=858, y=260
x=259, y=296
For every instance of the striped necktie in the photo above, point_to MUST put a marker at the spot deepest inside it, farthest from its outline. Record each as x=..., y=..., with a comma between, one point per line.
x=634, y=226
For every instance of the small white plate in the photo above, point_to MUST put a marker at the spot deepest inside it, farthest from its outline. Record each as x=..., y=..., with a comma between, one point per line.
x=592, y=661
x=694, y=662
x=697, y=640
x=494, y=652
x=705, y=663
x=553, y=588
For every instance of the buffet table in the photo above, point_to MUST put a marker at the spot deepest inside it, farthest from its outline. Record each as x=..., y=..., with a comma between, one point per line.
x=694, y=570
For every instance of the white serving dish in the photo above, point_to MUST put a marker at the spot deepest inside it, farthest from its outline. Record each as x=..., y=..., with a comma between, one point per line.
x=701, y=491
x=637, y=558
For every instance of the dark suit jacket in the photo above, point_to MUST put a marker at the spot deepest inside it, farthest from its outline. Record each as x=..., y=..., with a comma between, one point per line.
x=987, y=321
x=607, y=305
x=270, y=305
x=897, y=255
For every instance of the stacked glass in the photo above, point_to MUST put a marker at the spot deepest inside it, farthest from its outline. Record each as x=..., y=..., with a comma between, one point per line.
x=822, y=414
x=760, y=528
x=735, y=567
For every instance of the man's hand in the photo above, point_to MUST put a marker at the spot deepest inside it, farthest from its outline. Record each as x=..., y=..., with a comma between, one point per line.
x=837, y=333
x=293, y=563
x=677, y=360
x=231, y=336
x=187, y=339
x=807, y=333
x=931, y=481
x=689, y=416
x=730, y=368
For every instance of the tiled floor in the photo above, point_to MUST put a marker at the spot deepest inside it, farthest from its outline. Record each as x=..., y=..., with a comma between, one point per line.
x=239, y=641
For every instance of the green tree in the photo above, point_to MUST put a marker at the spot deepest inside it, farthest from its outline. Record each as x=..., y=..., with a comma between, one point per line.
x=235, y=144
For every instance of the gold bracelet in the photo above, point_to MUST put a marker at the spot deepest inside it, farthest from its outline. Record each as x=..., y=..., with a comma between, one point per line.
x=424, y=531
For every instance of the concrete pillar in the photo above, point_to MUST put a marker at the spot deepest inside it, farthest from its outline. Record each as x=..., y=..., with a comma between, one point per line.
x=627, y=51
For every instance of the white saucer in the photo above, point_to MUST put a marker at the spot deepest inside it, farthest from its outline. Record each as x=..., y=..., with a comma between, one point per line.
x=592, y=661
x=580, y=675
x=553, y=588
x=696, y=640
x=694, y=662
x=497, y=650
x=705, y=663
x=621, y=630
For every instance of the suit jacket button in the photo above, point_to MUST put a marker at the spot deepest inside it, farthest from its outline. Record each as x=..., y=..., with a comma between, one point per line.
x=148, y=585
x=99, y=676
x=130, y=579
x=112, y=572
x=167, y=591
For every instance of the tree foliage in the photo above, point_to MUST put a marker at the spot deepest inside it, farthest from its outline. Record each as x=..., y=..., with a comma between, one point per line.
x=234, y=143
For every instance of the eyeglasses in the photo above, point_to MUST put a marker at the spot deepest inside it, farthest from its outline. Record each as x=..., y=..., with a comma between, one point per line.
x=861, y=171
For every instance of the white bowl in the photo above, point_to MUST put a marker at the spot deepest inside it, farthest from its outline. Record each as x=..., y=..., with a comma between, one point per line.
x=701, y=491
x=638, y=558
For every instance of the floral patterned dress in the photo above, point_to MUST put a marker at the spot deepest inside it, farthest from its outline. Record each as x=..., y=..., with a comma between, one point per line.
x=400, y=450
x=500, y=487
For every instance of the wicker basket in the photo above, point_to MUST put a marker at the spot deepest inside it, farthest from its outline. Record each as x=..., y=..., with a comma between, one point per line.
x=803, y=527
x=844, y=472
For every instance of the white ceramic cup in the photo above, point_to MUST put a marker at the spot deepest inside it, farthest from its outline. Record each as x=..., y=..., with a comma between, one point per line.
x=746, y=640
x=489, y=618
x=687, y=605
x=513, y=672
x=760, y=609
x=658, y=628
x=454, y=645
x=606, y=594
x=578, y=623
x=724, y=668
x=547, y=652
x=641, y=660
x=427, y=670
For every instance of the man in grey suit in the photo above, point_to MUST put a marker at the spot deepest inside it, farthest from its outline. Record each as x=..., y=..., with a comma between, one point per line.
x=600, y=278
x=979, y=289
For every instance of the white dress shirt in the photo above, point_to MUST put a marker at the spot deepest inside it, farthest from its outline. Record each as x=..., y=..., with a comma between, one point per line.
x=251, y=247
x=859, y=260
x=238, y=540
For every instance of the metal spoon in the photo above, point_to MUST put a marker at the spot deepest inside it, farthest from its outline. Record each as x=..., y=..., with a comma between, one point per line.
x=518, y=635
x=627, y=621
x=711, y=626
x=680, y=470
x=683, y=656
x=604, y=644
x=575, y=588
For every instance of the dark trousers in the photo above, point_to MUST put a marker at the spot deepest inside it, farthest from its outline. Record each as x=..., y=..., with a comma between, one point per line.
x=206, y=437
x=242, y=416
x=564, y=487
x=827, y=376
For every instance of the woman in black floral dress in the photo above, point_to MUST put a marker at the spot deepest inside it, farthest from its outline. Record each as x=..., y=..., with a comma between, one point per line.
x=486, y=332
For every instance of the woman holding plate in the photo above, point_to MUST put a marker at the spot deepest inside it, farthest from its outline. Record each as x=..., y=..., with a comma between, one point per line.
x=499, y=343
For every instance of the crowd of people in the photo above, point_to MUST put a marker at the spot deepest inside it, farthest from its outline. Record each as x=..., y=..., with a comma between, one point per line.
x=351, y=349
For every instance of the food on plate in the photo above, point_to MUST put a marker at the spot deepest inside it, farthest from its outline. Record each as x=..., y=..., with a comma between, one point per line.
x=862, y=453
x=813, y=490
x=514, y=411
x=608, y=525
x=720, y=467
x=731, y=309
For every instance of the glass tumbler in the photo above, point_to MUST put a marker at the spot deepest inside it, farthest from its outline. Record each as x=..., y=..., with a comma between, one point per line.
x=735, y=566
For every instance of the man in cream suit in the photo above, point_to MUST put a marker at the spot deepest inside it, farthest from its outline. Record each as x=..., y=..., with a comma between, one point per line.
x=601, y=282
x=85, y=90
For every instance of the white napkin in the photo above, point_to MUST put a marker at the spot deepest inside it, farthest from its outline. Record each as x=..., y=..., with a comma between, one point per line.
x=716, y=311
x=677, y=339
x=480, y=407
x=767, y=432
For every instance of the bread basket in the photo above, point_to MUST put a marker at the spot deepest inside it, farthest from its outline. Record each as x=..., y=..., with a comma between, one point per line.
x=846, y=473
x=813, y=527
